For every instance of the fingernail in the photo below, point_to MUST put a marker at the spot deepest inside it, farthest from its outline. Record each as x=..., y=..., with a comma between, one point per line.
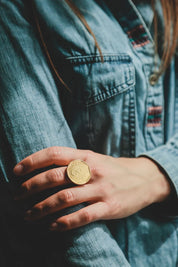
x=18, y=169
x=53, y=226
x=57, y=226
x=28, y=214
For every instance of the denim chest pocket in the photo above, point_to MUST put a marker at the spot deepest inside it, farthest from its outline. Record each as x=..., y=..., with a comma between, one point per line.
x=101, y=109
x=94, y=81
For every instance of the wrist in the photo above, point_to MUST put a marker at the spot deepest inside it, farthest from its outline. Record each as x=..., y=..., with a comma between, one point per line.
x=160, y=184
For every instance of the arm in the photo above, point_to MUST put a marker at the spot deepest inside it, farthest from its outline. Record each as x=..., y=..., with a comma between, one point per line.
x=31, y=118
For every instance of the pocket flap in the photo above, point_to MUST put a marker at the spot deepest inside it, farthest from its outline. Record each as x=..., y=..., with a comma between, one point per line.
x=94, y=81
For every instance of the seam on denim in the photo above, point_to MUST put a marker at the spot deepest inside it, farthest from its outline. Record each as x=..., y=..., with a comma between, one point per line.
x=96, y=58
x=102, y=96
x=142, y=20
x=132, y=136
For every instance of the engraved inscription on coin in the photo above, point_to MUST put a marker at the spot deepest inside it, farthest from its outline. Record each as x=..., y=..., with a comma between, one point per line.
x=78, y=172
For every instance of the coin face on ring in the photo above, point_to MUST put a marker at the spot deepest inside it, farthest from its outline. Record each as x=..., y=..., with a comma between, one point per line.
x=78, y=172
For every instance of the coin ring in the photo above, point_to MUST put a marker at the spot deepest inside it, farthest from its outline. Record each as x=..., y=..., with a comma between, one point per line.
x=78, y=172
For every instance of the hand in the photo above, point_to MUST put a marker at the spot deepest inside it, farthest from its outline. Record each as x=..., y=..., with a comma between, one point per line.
x=118, y=188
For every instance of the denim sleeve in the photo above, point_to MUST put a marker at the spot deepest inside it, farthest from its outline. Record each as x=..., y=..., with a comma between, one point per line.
x=166, y=156
x=31, y=119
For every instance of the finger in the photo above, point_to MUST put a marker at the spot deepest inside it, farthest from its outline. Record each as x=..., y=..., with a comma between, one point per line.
x=63, y=199
x=43, y=181
x=82, y=217
x=50, y=156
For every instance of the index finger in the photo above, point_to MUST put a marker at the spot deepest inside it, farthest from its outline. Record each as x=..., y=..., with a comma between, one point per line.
x=61, y=156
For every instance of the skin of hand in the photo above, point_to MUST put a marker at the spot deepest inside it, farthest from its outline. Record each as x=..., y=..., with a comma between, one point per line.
x=118, y=187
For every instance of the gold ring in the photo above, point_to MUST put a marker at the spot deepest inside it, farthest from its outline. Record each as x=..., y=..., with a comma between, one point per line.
x=78, y=172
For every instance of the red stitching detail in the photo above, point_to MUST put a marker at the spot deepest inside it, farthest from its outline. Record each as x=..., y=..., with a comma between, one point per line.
x=135, y=29
x=141, y=44
x=153, y=124
x=156, y=108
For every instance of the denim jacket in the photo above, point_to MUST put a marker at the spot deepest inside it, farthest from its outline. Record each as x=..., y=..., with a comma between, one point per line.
x=114, y=106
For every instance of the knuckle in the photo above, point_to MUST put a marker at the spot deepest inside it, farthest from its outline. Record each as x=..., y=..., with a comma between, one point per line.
x=45, y=209
x=110, y=204
x=54, y=176
x=103, y=189
x=66, y=197
x=38, y=209
x=68, y=223
x=114, y=207
x=88, y=155
x=29, y=163
x=86, y=216
x=97, y=171
x=53, y=153
x=25, y=188
x=108, y=157
x=41, y=209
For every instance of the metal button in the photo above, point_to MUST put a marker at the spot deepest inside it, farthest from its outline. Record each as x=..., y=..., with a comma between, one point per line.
x=153, y=79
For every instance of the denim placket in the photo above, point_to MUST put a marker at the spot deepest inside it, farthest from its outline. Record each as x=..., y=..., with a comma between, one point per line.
x=154, y=120
x=176, y=95
x=142, y=45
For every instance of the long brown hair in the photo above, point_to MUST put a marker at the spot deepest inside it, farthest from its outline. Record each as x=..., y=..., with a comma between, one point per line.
x=170, y=38
x=170, y=13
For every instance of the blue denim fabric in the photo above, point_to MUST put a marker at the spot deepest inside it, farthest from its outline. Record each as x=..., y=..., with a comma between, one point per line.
x=112, y=109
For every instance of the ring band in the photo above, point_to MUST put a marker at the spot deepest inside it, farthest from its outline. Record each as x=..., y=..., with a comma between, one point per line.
x=78, y=172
